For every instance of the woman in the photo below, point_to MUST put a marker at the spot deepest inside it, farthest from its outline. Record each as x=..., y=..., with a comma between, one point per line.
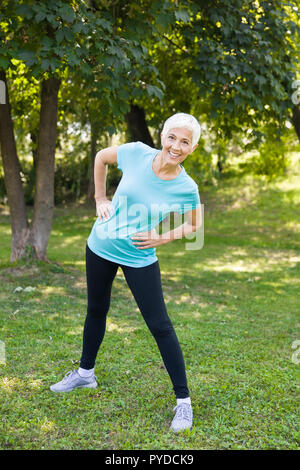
x=153, y=184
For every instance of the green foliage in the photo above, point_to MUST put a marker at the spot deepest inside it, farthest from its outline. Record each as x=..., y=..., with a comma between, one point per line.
x=199, y=165
x=270, y=157
x=113, y=178
x=271, y=160
x=71, y=179
x=231, y=64
x=28, y=180
x=244, y=58
x=99, y=42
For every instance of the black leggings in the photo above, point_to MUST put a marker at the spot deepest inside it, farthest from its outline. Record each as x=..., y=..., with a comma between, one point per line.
x=145, y=285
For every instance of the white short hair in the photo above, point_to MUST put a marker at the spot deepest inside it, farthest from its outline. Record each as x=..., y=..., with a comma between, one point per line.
x=183, y=120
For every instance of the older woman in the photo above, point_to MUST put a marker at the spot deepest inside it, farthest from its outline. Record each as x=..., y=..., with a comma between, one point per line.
x=153, y=184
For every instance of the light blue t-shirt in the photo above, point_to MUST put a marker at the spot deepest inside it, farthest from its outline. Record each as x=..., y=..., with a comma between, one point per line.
x=141, y=201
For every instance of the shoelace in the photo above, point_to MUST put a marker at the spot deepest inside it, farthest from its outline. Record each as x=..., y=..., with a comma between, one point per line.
x=183, y=411
x=67, y=375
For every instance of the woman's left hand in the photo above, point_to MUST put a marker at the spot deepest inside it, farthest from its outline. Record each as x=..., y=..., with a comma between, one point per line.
x=149, y=239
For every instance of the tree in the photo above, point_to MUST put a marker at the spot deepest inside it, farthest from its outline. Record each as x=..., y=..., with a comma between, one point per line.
x=97, y=40
x=245, y=59
x=232, y=63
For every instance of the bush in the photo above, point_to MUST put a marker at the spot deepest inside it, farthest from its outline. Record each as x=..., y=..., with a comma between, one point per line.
x=199, y=165
x=113, y=177
x=71, y=179
x=271, y=160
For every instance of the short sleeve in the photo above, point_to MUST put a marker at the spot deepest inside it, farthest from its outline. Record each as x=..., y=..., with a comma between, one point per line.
x=192, y=201
x=126, y=155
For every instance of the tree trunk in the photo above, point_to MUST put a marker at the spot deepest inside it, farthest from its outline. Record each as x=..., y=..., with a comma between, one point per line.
x=44, y=187
x=220, y=161
x=34, y=237
x=296, y=120
x=12, y=177
x=137, y=126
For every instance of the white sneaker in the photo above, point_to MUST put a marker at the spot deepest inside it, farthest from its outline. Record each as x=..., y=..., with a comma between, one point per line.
x=183, y=418
x=73, y=380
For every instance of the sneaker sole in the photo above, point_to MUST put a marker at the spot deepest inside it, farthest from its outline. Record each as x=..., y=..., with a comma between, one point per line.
x=93, y=385
x=180, y=430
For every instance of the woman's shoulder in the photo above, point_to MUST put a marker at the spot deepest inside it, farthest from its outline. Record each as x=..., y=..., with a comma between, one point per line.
x=138, y=145
x=191, y=182
x=145, y=147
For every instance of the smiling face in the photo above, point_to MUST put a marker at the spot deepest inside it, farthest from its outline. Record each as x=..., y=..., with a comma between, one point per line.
x=177, y=145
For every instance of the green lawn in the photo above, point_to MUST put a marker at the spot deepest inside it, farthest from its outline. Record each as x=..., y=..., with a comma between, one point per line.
x=234, y=305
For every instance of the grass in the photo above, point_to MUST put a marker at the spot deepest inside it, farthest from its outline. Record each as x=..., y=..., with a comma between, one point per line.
x=234, y=305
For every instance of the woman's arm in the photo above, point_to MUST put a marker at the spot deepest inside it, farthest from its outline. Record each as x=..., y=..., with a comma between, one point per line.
x=102, y=159
x=151, y=239
x=193, y=223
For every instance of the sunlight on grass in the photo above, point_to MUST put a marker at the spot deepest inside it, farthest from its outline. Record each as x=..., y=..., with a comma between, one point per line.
x=290, y=185
x=5, y=230
x=198, y=314
x=51, y=290
x=120, y=329
x=247, y=195
x=47, y=426
x=267, y=261
x=35, y=384
x=76, y=331
x=9, y=384
x=4, y=210
x=79, y=263
x=70, y=240
x=293, y=225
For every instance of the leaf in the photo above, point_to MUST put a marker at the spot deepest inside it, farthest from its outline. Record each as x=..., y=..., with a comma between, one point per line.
x=28, y=57
x=54, y=64
x=77, y=27
x=59, y=35
x=111, y=130
x=47, y=43
x=73, y=59
x=268, y=59
x=52, y=20
x=238, y=100
x=24, y=10
x=104, y=24
x=162, y=20
x=66, y=13
x=182, y=15
x=137, y=54
x=154, y=91
x=4, y=62
x=40, y=16
x=45, y=64
x=260, y=79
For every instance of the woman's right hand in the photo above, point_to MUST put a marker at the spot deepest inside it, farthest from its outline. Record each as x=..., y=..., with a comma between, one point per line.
x=104, y=209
